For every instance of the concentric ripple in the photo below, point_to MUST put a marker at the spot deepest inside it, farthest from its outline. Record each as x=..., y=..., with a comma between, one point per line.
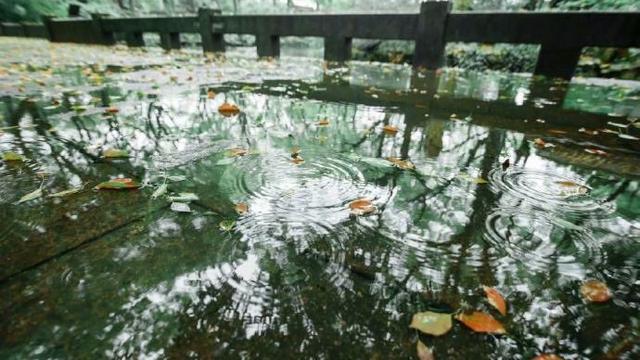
x=541, y=241
x=300, y=209
x=548, y=191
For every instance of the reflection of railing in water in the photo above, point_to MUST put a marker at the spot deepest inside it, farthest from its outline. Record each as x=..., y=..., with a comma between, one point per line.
x=562, y=35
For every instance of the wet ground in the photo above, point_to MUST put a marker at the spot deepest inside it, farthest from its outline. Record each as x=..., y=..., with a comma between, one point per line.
x=242, y=240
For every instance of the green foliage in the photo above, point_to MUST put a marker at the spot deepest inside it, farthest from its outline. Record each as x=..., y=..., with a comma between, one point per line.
x=30, y=10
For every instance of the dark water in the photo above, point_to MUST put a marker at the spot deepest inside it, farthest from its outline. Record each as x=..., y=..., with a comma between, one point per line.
x=118, y=274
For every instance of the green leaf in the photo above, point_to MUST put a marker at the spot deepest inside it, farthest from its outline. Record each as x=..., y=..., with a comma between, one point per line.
x=227, y=225
x=184, y=197
x=66, y=192
x=180, y=207
x=176, y=178
x=12, y=156
x=431, y=323
x=118, y=184
x=115, y=153
x=161, y=190
x=30, y=196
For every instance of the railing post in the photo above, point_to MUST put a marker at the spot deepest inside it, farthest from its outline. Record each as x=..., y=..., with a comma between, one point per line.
x=337, y=48
x=169, y=41
x=557, y=61
x=212, y=38
x=23, y=29
x=430, y=35
x=101, y=36
x=268, y=45
x=48, y=28
x=134, y=39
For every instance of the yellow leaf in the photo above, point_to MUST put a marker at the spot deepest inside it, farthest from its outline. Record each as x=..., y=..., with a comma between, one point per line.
x=235, y=152
x=323, y=122
x=211, y=94
x=496, y=299
x=431, y=323
x=595, y=291
x=479, y=180
x=12, y=156
x=479, y=321
x=115, y=153
x=402, y=164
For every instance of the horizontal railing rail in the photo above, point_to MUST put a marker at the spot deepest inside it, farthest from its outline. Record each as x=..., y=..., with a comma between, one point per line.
x=561, y=35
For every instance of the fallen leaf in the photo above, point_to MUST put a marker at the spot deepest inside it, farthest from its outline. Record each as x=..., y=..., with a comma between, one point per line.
x=323, y=122
x=297, y=160
x=567, y=183
x=241, y=208
x=180, y=207
x=66, y=192
x=390, y=130
x=30, y=196
x=115, y=153
x=597, y=152
x=117, y=184
x=227, y=109
x=227, y=225
x=424, y=353
x=184, y=197
x=111, y=110
x=361, y=206
x=539, y=142
x=496, y=299
x=431, y=323
x=11, y=156
x=235, y=152
x=401, y=164
x=176, y=178
x=556, y=131
x=628, y=137
x=211, y=94
x=161, y=190
x=547, y=357
x=595, y=291
x=479, y=321
x=479, y=180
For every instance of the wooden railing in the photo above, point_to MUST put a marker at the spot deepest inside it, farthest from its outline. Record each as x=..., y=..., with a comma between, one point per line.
x=562, y=35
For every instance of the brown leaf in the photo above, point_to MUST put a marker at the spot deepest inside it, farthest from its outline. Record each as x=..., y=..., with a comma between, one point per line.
x=479, y=321
x=390, y=130
x=595, y=291
x=424, y=353
x=227, y=109
x=323, y=122
x=297, y=160
x=241, y=208
x=111, y=110
x=235, y=152
x=211, y=94
x=547, y=357
x=539, y=142
x=361, y=206
x=402, y=164
x=118, y=184
x=496, y=299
